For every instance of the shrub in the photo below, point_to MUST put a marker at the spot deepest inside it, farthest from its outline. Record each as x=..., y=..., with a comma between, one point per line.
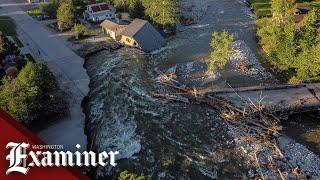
x=78, y=30
x=49, y=9
x=125, y=175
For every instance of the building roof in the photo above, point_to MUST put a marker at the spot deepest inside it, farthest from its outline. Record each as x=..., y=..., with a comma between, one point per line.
x=108, y=24
x=134, y=27
x=144, y=34
x=99, y=7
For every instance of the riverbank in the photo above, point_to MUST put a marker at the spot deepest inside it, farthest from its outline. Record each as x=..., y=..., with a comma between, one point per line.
x=43, y=46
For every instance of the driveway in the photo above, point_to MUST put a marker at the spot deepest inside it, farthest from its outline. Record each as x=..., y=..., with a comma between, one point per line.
x=67, y=68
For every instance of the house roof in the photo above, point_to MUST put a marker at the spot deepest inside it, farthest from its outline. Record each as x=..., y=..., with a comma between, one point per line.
x=104, y=7
x=99, y=7
x=134, y=27
x=144, y=34
x=108, y=24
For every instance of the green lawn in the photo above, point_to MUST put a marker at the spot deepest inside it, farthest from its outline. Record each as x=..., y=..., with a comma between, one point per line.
x=315, y=3
x=35, y=12
x=262, y=8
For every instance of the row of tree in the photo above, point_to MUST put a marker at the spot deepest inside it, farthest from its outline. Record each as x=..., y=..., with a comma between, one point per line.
x=288, y=47
x=160, y=12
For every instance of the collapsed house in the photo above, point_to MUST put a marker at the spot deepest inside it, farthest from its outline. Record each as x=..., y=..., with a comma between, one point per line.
x=139, y=33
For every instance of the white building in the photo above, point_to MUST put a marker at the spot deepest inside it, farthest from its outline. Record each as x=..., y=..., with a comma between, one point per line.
x=99, y=12
x=38, y=1
x=33, y=1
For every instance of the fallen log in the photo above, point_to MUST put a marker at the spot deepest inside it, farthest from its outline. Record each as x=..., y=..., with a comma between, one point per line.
x=169, y=97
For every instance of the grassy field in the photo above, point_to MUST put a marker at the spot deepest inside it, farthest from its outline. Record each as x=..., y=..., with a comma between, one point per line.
x=315, y=3
x=262, y=8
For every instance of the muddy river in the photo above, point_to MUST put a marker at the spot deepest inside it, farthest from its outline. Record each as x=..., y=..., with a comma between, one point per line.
x=154, y=137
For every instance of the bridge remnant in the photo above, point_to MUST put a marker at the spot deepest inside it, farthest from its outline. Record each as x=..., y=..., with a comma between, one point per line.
x=284, y=98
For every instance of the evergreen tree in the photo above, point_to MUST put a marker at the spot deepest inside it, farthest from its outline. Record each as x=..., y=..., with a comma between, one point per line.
x=282, y=11
x=221, y=51
x=50, y=9
x=136, y=8
x=289, y=47
x=30, y=95
x=66, y=13
x=162, y=12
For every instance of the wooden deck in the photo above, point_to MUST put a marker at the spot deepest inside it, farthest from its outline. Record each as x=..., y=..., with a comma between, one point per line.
x=285, y=98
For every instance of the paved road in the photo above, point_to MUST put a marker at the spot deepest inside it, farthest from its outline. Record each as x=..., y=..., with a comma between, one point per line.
x=66, y=66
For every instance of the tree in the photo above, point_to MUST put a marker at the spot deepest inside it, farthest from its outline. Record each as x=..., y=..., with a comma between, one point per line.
x=30, y=96
x=289, y=47
x=221, y=51
x=120, y=4
x=307, y=34
x=282, y=11
x=50, y=9
x=136, y=8
x=277, y=34
x=162, y=12
x=7, y=47
x=308, y=44
x=308, y=66
x=66, y=13
x=78, y=30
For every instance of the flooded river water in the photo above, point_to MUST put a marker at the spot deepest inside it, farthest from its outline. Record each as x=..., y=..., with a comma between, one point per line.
x=157, y=138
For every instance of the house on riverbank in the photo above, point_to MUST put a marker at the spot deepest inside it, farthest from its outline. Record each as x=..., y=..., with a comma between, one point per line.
x=139, y=33
x=114, y=29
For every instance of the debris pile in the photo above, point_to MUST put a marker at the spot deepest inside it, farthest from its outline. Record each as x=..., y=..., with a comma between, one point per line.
x=256, y=131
